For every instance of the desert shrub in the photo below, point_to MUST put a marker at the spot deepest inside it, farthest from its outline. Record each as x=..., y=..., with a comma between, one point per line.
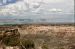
x=11, y=37
x=44, y=46
x=61, y=48
x=11, y=41
x=28, y=43
x=72, y=47
x=1, y=35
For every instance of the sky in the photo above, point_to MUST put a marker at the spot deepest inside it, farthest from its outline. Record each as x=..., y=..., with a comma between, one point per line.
x=52, y=9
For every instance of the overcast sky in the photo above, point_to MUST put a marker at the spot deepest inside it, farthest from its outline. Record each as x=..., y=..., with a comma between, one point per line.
x=24, y=8
x=51, y=5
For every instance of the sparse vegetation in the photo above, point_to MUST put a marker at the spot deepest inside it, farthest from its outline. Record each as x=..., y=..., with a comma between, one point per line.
x=44, y=46
x=28, y=43
x=46, y=36
x=11, y=41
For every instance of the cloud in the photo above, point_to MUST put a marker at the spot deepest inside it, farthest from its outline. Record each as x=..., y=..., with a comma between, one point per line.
x=47, y=10
x=21, y=7
x=55, y=10
x=13, y=9
x=53, y=1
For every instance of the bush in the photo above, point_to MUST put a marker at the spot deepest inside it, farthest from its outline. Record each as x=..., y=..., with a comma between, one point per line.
x=11, y=41
x=28, y=43
x=44, y=46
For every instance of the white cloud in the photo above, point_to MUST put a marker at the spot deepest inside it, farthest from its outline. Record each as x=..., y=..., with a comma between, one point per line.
x=55, y=10
x=53, y=1
x=17, y=8
x=13, y=9
x=47, y=1
x=20, y=7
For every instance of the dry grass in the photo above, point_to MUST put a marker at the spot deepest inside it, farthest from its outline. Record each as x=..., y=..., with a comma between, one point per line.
x=53, y=36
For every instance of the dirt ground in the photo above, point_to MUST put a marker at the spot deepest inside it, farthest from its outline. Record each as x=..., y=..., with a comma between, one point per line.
x=52, y=36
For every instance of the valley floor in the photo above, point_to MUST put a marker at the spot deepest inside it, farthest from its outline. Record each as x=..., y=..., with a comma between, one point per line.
x=45, y=36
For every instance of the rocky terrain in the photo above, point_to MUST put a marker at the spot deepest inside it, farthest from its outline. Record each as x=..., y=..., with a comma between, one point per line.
x=44, y=36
